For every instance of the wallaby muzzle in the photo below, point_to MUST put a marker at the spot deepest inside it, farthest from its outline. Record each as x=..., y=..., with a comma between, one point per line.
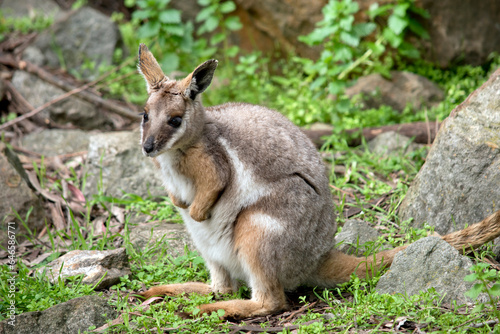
x=149, y=145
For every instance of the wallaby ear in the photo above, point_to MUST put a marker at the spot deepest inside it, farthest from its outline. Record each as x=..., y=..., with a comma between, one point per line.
x=196, y=82
x=149, y=68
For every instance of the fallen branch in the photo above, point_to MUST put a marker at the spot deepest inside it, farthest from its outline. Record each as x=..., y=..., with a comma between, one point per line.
x=482, y=324
x=71, y=90
x=276, y=329
x=421, y=131
x=43, y=107
x=22, y=106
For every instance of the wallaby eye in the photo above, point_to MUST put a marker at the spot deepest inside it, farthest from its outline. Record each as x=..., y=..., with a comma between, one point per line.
x=145, y=117
x=175, y=122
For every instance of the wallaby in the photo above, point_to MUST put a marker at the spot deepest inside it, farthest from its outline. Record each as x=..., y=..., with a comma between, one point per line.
x=253, y=193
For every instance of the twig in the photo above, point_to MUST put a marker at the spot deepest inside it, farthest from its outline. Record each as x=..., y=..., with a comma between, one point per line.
x=121, y=111
x=468, y=321
x=294, y=313
x=482, y=324
x=342, y=191
x=276, y=329
x=44, y=106
x=87, y=96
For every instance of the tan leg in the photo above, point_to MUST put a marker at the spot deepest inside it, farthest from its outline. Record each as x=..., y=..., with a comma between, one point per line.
x=177, y=289
x=268, y=295
x=209, y=179
x=221, y=283
x=260, y=304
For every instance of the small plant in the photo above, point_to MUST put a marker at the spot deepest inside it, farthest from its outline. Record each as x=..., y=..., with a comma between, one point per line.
x=489, y=283
x=347, y=50
x=25, y=24
x=156, y=21
x=341, y=39
x=214, y=16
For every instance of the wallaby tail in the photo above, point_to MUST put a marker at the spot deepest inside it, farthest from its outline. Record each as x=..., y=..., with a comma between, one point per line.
x=338, y=267
x=475, y=235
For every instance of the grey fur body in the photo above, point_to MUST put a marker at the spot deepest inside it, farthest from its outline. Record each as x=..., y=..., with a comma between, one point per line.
x=250, y=186
x=285, y=161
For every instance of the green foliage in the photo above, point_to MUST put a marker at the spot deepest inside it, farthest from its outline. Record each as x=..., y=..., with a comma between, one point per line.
x=356, y=306
x=159, y=207
x=348, y=52
x=172, y=40
x=25, y=24
x=214, y=20
x=35, y=292
x=155, y=21
x=489, y=283
x=7, y=118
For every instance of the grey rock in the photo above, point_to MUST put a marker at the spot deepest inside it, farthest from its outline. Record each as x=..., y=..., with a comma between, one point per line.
x=56, y=141
x=461, y=31
x=71, y=110
x=321, y=127
x=124, y=167
x=94, y=265
x=72, y=317
x=173, y=237
x=392, y=143
x=84, y=36
x=34, y=55
x=496, y=249
x=458, y=184
x=355, y=233
x=19, y=8
x=401, y=89
x=429, y=263
x=16, y=196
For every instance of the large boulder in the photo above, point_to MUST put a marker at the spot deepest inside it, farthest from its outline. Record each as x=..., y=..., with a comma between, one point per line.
x=429, y=263
x=56, y=141
x=401, y=89
x=70, y=110
x=72, y=317
x=458, y=184
x=115, y=162
x=461, y=31
x=84, y=37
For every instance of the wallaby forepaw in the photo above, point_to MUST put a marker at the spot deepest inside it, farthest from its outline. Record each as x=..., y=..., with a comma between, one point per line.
x=177, y=202
x=199, y=215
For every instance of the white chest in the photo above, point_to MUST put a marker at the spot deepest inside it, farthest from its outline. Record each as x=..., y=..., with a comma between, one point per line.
x=176, y=183
x=214, y=237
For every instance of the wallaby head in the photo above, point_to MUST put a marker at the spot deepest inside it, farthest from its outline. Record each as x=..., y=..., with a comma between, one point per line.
x=173, y=117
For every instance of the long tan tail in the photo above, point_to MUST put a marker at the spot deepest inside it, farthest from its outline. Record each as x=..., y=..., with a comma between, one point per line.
x=338, y=267
x=475, y=235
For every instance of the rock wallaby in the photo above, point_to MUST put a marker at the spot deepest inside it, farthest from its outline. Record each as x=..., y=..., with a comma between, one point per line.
x=253, y=193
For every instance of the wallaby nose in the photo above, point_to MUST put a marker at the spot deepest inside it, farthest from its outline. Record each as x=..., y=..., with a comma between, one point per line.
x=149, y=144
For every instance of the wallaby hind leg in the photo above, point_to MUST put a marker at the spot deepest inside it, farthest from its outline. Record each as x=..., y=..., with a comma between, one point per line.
x=177, y=289
x=268, y=295
x=264, y=302
x=221, y=283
